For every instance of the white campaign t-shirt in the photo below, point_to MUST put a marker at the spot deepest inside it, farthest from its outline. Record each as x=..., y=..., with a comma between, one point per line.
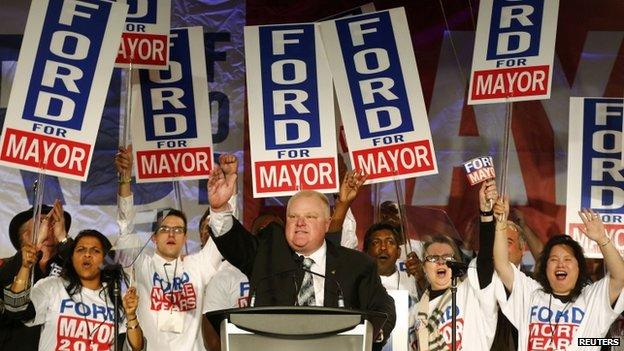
x=476, y=314
x=546, y=323
x=176, y=286
x=229, y=288
x=400, y=280
x=83, y=322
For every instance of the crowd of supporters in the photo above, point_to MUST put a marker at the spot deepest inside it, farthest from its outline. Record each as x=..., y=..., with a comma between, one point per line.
x=58, y=292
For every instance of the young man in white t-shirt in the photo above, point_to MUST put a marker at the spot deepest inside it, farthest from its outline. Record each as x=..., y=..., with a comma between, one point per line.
x=170, y=287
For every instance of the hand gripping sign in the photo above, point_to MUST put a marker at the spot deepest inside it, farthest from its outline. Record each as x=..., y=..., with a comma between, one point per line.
x=291, y=110
x=479, y=169
x=145, y=41
x=379, y=95
x=514, y=51
x=171, y=132
x=68, y=52
x=595, y=173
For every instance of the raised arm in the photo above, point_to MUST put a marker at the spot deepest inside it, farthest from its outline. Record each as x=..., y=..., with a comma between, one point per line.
x=485, y=264
x=123, y=162
x=595, y=230
x=501, y=253
x=349, y=189
x=125, y=206
x=221, y=186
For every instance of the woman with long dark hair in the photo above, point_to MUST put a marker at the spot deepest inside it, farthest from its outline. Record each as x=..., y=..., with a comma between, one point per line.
x=75, y=309
x=561, y=306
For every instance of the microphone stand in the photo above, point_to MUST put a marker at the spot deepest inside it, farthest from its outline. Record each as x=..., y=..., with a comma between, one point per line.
x=116, y=297
x=453, y=312
x=458, y=269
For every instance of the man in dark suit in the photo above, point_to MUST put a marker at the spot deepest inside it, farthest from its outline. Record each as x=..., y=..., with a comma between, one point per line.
x=273, y=260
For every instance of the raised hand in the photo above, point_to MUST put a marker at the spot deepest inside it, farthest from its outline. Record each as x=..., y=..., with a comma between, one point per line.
x=123, y=162
x=487, y=195
x=220, y=187
x=501, y=209
x=351, y=184
x=29, y=254
x=228, y=164
x=58, y=219
x=46, y=227
x=592, y=225
x=130, y=303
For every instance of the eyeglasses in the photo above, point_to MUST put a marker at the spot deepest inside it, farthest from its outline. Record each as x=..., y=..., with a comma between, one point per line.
x=175, y=230
x=438, y=258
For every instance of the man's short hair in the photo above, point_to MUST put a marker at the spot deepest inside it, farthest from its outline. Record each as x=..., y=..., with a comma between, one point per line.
x=311, y=193
x=162, y=214
x=519, y=230
x=368, y=236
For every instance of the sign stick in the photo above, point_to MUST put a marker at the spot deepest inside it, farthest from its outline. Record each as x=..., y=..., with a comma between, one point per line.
x=38, y=190
x=128, y=115
x=401, y=203
x=505, y=158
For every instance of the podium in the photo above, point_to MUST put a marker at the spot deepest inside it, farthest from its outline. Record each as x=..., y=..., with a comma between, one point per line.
x=289, y=328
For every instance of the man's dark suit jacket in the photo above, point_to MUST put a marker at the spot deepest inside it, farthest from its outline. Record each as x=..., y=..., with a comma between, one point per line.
x=275, y=274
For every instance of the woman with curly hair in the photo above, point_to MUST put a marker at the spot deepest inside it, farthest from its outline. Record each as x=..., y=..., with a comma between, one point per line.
x=76, y=309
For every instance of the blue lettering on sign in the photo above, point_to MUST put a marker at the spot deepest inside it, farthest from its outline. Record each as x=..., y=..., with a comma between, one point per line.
x=66, y=60
x=515, y=29
x=374, y=73
x=221, y=129
x=142, y=11
x=289, y=87
x=167, y=95
x=104, y=190
x=602, y=177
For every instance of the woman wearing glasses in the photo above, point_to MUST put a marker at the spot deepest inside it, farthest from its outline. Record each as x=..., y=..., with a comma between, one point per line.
x=76, y=310
x=476, y=305
x=561, y=309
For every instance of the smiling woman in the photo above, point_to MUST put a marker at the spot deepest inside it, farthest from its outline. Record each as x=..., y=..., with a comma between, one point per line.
x=562, y=305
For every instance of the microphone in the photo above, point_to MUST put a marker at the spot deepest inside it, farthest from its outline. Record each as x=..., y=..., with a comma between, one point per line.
x=112, y=272
x=458, y=268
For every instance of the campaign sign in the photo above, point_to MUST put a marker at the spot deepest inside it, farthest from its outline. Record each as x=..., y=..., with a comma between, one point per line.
x=66, y=62
x=379, y=94
x=171, y=131
x=595, y=173
x=479, y=169
x=145, y=40
x=514, y=51
x=291, y=110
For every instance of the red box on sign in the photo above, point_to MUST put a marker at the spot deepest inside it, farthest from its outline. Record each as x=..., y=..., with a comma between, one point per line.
x=171, y=163
x=510, y=82
x=45, y=152
x=395, y=159
x=143, y=49
x=614, y=231
x=292, y=175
